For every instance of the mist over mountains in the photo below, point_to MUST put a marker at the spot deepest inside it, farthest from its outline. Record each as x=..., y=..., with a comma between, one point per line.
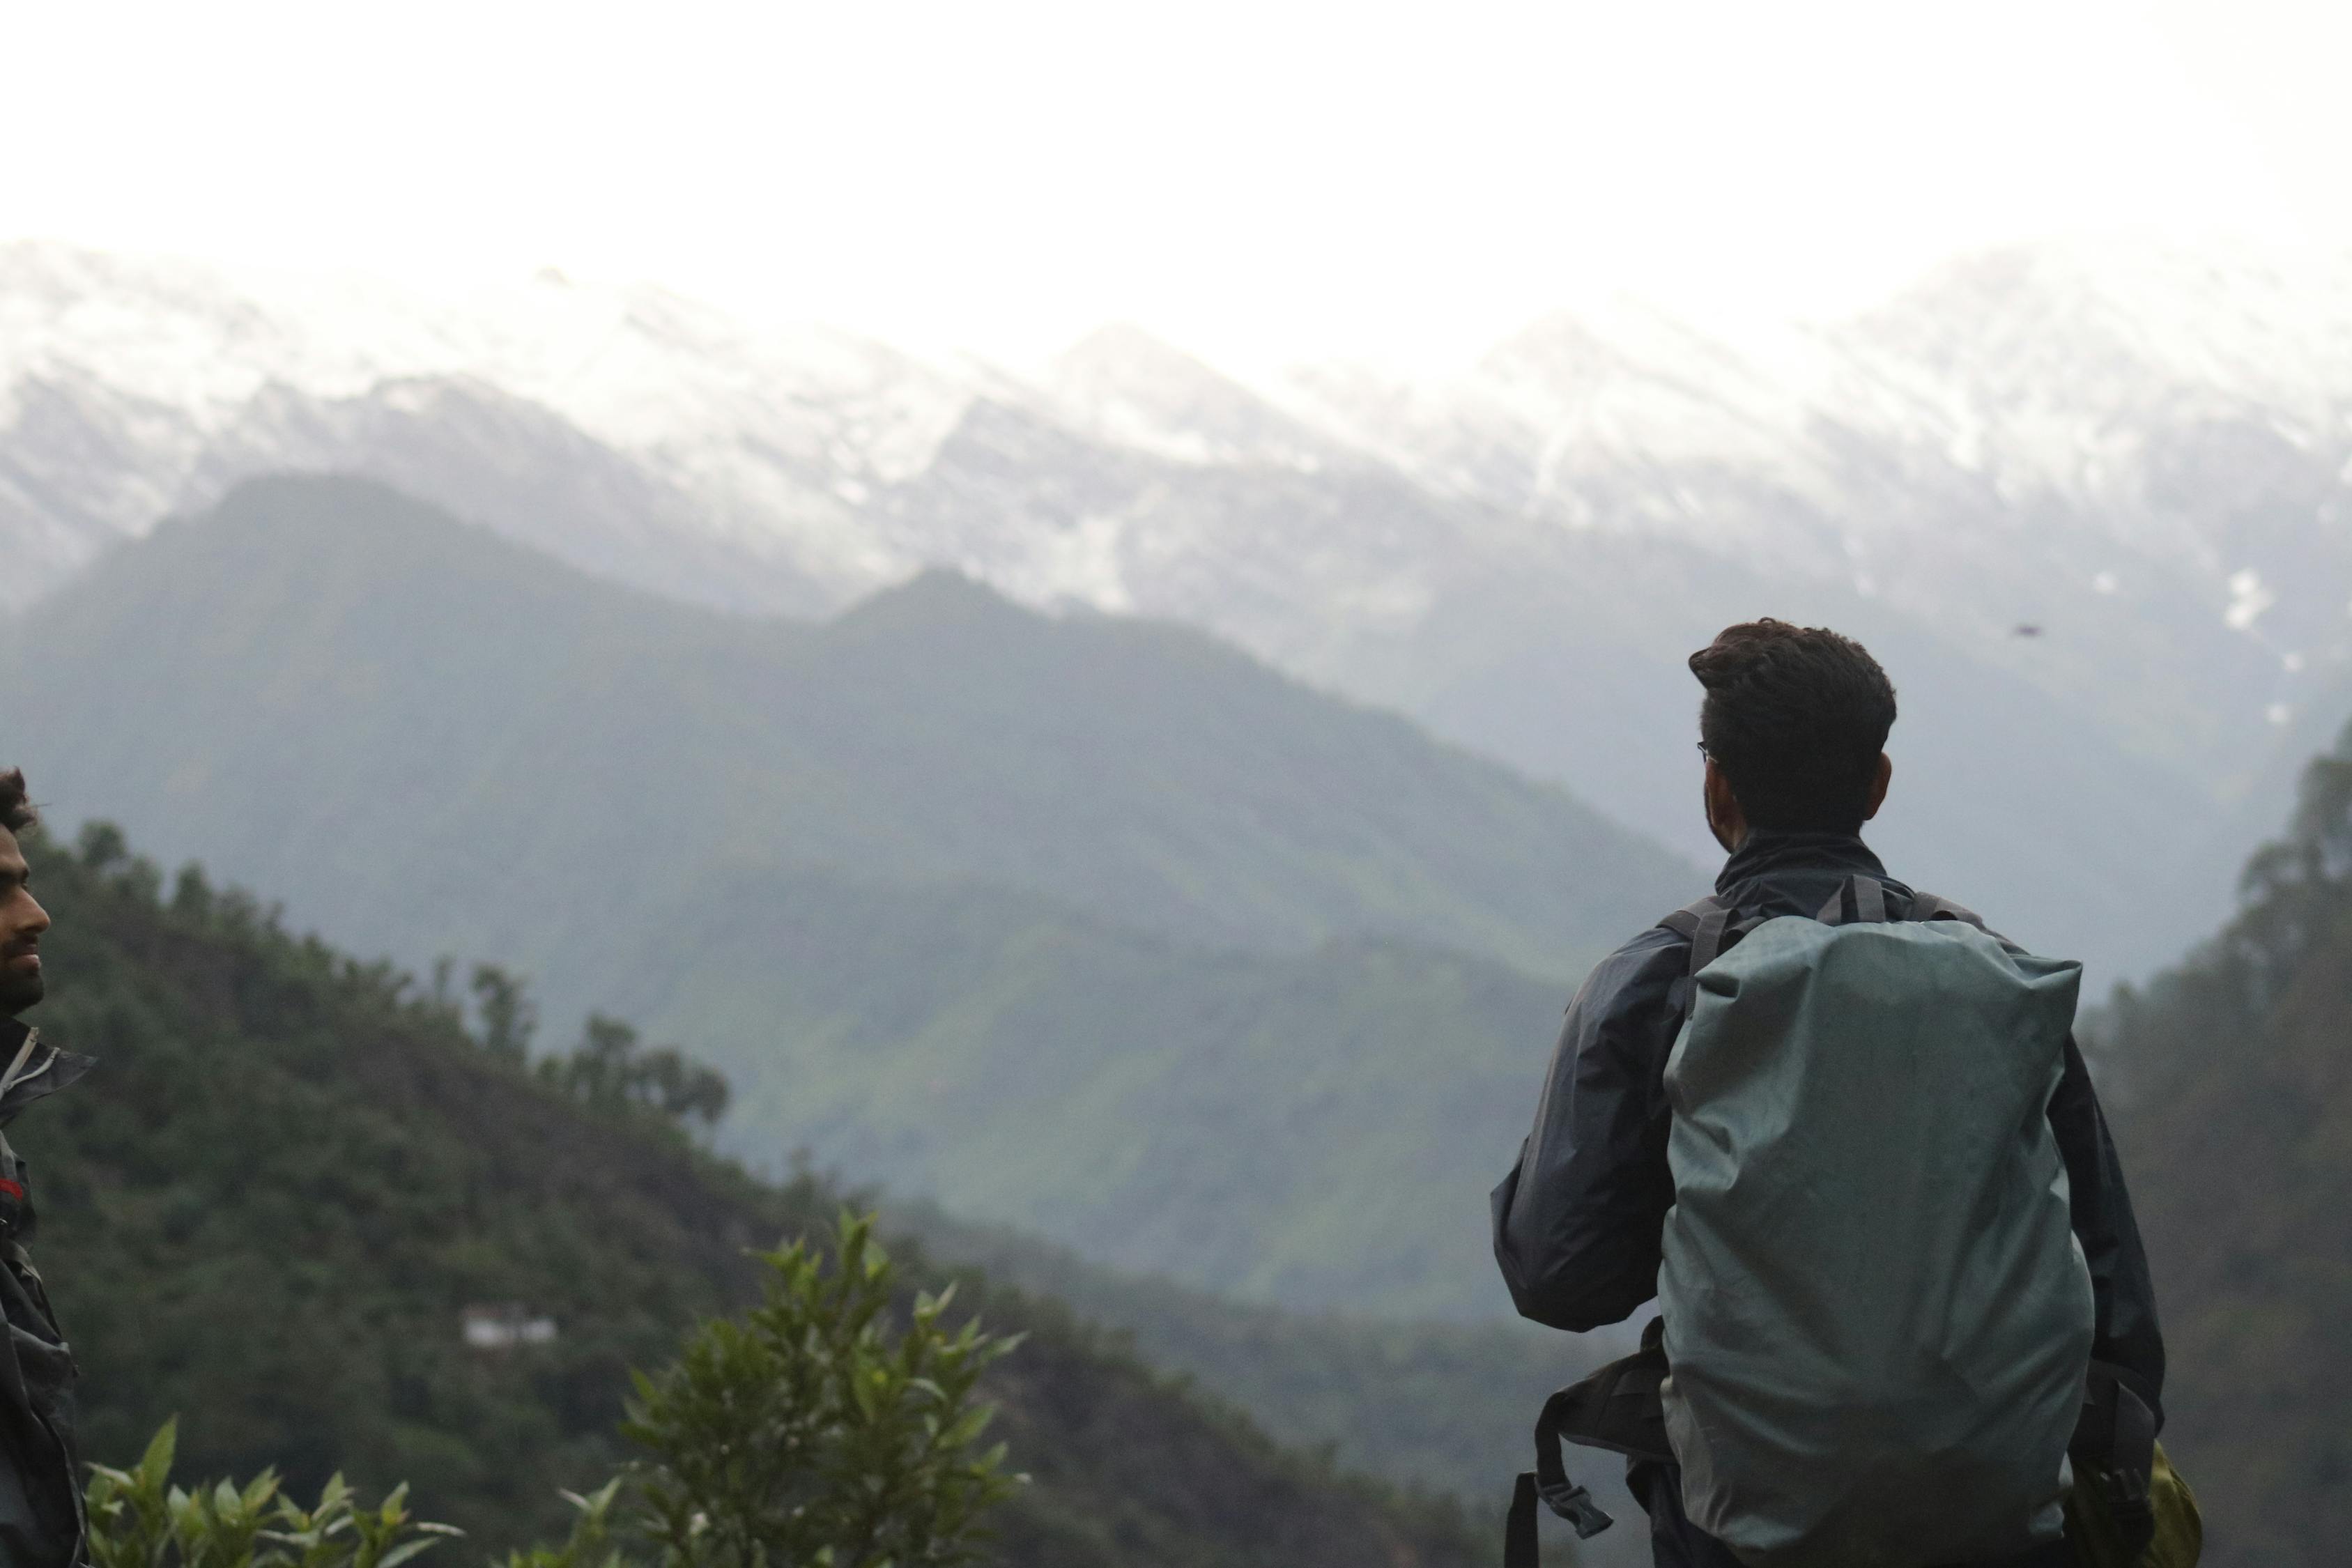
x=2083, y=501
x=1089, y=924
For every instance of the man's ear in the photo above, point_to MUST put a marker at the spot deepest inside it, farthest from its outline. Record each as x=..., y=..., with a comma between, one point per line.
x=1878, y=784
x=1724, y=817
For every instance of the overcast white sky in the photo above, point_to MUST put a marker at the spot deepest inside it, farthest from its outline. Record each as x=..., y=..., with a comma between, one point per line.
x=1259, y=181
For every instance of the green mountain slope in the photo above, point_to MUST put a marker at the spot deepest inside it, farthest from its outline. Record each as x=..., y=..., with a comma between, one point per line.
x=1091, y=927
x=321, y=666
x=269, y=1207
x=2237, y=1132
x=1318, y=1129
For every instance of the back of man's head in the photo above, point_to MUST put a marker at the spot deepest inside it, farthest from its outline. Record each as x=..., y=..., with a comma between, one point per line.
x=1796, y=718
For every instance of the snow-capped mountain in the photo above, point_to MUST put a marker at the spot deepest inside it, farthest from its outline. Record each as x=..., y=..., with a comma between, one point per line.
x=2089, y=441
x=185, y=375
x=2087, y=501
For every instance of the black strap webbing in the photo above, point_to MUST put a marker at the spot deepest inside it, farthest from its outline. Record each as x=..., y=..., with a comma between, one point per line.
x=1520, y=1549
x=1702, y=924
x=1707, y=946
x=1574, y=1504
x=1617, y=1408
x=1548, y=1481
x=2114, y=1447
x=1563, y=1412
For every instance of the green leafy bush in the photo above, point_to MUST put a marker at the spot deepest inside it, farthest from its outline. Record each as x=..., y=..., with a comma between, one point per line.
x=590, y=1544
x=813, y=1430
x=139, y=1519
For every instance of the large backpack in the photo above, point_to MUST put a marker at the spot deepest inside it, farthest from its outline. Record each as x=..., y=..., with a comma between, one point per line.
x=1876, y=1319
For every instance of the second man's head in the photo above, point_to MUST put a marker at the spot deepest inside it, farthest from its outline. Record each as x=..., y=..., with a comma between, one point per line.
x=1794, y=726
x=22, y=919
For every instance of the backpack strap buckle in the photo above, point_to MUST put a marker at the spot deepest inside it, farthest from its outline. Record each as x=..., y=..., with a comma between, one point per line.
x=1618, y=1408
x=1571, y=1502
x=1574, y=1503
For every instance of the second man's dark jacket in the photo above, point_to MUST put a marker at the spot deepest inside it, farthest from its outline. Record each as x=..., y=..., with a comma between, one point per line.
x=41, y=1521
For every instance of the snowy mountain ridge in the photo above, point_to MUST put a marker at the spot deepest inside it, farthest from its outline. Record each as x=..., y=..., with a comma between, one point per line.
x=2031, y=370
x=776, y=433
x=2105, y=481
x=2041, y=370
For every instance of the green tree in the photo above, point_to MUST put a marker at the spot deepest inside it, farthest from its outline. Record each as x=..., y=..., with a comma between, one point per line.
x=103, y=846
x=192, y=895
x=815, y=1430
x=610, y=1072
x=509, y=1018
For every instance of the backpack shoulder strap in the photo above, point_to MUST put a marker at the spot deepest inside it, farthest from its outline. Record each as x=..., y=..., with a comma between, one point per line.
x=1702, y=923
x=1927, y=906
x=1867, y=895
x=1710, y=925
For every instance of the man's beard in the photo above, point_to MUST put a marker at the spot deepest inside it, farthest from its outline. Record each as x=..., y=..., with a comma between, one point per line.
x=19, y=993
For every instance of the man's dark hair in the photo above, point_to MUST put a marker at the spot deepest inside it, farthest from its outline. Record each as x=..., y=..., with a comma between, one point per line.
x=1795, y=716
x=16, y=813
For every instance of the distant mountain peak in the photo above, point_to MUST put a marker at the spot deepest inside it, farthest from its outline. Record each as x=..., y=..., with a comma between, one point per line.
x=1126, y=348
x=1122, y=383
x=933, y=596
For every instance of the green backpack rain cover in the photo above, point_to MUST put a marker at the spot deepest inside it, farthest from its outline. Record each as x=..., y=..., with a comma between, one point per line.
x=1877, y=1314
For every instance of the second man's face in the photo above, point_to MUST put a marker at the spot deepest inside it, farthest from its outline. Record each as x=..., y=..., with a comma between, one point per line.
x=21, y=923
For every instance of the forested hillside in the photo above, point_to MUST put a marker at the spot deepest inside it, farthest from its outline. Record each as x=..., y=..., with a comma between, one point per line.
x=1089, y=926
x=269, y=1208
x=2237, y=1132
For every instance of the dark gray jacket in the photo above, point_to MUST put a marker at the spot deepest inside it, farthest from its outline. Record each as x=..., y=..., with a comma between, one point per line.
x=1579, y=1221
x=41, y=1521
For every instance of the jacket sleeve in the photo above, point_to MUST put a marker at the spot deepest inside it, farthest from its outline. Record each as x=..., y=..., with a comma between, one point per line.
x=1577, y=1223
x=2124, y=1299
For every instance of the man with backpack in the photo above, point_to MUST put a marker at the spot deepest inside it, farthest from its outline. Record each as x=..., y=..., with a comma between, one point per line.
x=1844, y=1136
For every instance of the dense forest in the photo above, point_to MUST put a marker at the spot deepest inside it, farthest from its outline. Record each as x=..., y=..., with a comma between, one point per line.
x=271, y=1208
x=2235, y=1108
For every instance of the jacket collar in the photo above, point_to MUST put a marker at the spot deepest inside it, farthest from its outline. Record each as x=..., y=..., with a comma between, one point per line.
x=47, y=1069
x=1770, y=850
